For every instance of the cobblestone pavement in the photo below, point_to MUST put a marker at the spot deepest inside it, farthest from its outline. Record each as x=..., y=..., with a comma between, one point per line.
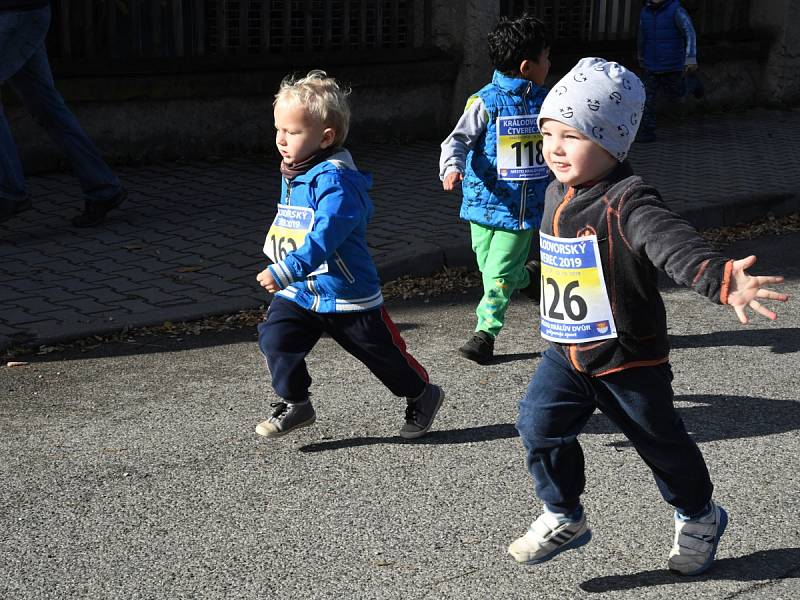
x=188, y=242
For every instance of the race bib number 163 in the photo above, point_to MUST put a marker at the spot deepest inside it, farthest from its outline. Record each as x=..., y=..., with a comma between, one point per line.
x=288, y=233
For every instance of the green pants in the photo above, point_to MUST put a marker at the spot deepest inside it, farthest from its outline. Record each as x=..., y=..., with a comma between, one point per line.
x=501, y=258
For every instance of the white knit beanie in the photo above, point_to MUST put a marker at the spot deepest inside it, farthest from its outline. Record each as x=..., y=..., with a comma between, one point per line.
x=601, y=99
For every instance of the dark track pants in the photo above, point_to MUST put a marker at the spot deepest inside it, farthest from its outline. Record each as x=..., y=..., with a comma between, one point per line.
x=289, y=332
x=560, y=401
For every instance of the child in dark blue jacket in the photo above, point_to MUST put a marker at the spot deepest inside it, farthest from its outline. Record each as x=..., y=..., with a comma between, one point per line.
x=322, y=274
x=495, y=151
x=667, y=50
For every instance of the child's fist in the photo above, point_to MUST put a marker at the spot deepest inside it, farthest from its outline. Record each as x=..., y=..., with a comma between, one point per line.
x=451, y=180
x=267, y=281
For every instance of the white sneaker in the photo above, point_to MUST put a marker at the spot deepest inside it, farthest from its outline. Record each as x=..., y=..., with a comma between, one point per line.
x=548, y=536
x=696, y=541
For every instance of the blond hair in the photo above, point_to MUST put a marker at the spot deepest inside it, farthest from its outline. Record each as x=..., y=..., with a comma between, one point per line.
x=322, y=97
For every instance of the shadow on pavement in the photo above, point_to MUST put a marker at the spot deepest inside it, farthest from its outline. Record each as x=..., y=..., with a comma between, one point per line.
x=87, y=348
x=766, y=565
x=715, y=418
x=485, y=433
x=718, y=417
x=781, y=341
x=506, y=358
x=154, y=343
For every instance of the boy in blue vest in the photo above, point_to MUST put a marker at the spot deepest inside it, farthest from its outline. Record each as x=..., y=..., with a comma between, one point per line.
x=605, y=234
x=495, y=153
x=322, y=274
x=667, y=52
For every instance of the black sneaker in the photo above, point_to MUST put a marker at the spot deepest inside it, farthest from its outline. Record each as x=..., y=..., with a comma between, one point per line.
x=534, y=289
x=95, y=211
x=10, y=208
x=421, y=411
x=286, y=418
x=480, y=348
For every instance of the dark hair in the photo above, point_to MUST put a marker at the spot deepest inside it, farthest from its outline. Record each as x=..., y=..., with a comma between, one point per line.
x=512, y=41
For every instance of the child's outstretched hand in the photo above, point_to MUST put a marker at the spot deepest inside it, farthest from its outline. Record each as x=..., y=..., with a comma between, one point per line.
x=451, y=179
x=744, y=289
x=267, y=281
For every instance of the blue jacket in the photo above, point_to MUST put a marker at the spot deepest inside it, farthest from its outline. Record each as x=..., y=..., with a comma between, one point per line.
x=511, y=205
x=666, y=39
x=337, y=192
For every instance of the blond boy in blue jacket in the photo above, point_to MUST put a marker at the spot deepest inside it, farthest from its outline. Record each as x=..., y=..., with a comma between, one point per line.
x=322, y=274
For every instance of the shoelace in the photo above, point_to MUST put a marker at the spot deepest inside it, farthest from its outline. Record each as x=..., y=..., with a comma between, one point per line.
x=411, y=411
x=280, y=409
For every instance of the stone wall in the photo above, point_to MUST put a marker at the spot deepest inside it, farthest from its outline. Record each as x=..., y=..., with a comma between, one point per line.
x=150, y=117
x=779, y=20
x=147, y=118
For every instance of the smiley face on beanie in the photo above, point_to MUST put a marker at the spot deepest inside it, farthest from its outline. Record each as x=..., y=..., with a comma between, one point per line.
x=601, y=99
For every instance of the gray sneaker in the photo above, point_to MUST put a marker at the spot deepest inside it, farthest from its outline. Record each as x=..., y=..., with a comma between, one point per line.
x=421, y=411
x=696, y=541
x=286, y=418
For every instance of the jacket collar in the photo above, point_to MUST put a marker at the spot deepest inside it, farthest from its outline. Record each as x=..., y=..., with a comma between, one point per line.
x=660, y=6
x=340, y=160
x=597, y=188
x=514, y=85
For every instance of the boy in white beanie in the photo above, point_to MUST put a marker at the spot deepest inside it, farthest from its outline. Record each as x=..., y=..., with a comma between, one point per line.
x=604, y=235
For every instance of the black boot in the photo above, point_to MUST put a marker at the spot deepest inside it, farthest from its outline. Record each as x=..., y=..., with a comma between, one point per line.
x=95, y=211
x=480, y=348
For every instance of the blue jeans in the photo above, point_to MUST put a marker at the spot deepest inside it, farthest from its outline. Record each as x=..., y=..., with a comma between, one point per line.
x=24, y=66
x=670, y=84
x=559, y=403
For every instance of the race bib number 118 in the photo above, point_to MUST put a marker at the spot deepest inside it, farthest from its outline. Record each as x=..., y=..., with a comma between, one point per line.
x=519, y=149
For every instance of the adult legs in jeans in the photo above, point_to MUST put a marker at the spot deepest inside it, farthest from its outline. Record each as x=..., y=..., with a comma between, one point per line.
x=20, y=34
x=559, y=402
x=12, y=180
x=31, y=78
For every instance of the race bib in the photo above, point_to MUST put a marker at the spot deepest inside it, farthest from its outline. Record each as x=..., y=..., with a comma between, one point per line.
x=574, y=305
x=519, y=149
x=288, y=233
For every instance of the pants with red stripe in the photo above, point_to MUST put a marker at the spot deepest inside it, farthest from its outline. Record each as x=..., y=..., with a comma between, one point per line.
x=289, y=332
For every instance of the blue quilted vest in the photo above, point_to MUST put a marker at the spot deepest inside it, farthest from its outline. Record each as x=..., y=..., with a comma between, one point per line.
x=664, y=47
x=511, y=205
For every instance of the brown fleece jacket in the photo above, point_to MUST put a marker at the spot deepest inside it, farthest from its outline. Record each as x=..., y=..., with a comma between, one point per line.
x=637, y=234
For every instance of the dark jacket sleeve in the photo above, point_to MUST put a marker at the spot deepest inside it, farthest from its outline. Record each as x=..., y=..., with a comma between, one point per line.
x=672, y=244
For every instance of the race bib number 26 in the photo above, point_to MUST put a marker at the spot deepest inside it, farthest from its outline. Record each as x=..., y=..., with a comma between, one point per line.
x=574, y=304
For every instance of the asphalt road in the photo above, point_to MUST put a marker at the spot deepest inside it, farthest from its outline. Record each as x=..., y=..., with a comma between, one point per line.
x=132, y=470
